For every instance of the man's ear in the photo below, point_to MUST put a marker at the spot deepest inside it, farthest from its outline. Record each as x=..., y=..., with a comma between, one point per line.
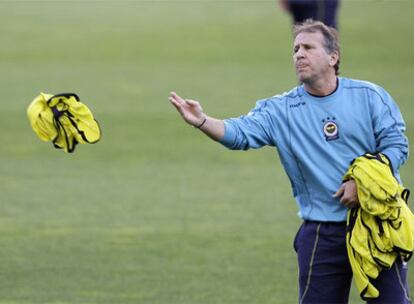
x=334, y=57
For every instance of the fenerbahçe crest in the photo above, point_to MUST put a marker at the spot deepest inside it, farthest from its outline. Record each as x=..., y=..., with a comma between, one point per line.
x=330, y=129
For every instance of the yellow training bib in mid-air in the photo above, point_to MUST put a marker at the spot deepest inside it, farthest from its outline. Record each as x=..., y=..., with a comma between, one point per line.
x=63, y=120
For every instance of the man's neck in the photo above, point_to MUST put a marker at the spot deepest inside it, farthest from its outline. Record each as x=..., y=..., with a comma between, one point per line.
x=323, y=87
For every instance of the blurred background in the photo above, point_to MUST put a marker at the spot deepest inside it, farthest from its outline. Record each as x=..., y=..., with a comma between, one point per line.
x=155, y=212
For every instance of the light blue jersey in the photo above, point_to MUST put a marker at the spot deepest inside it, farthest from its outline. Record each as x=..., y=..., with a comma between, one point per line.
x=318, y=137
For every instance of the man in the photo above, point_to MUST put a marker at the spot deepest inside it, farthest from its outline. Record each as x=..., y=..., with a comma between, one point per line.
x=319, y=128
x=322, y=10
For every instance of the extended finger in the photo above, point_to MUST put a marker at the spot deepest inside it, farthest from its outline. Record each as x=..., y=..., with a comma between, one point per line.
x=340, y=191
x=177, y=98
x=174, y=101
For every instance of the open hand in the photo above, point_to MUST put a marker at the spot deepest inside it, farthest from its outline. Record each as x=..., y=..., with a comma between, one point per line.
x=190, y=110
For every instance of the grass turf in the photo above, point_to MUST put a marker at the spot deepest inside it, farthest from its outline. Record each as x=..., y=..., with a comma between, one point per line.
x=155, y=212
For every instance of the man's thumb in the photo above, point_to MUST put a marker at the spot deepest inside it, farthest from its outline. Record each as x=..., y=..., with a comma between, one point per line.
x=192, y=102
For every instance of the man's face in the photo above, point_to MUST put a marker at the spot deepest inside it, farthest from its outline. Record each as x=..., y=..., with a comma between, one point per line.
x=312, y=62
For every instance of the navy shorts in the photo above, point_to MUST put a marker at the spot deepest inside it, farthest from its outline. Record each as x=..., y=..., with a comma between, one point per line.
x=325, y=274
x=322, y=10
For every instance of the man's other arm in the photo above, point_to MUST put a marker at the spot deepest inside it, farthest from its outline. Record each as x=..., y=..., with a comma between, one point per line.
x=389, y=128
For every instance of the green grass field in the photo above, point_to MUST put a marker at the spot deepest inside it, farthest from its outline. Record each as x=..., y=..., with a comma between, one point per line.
x=155, y=212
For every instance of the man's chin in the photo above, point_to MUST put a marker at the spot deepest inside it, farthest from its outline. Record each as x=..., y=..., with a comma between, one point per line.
x=302, y=78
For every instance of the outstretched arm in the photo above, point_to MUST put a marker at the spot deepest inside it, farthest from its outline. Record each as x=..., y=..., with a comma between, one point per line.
x=192, y=113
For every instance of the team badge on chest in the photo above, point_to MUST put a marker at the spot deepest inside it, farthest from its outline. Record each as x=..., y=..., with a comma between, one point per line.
x=330, y=128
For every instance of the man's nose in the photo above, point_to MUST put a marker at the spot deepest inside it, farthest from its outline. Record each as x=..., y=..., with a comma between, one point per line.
x=299, y=55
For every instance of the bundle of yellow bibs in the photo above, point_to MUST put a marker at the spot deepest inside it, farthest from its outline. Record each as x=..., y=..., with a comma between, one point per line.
x=381, y=228
x=63, y=120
